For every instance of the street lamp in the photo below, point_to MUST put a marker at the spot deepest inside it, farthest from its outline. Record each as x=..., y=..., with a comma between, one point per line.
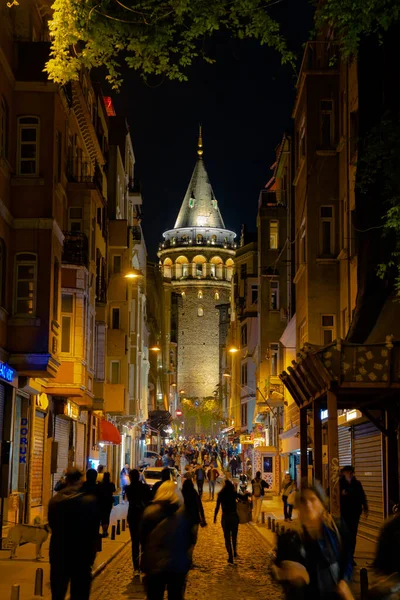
x=133, y=274
x=226, y=373
x=233, y=349
x=155, y=348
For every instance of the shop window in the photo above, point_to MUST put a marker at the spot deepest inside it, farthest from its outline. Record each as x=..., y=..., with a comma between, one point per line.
x=28, y=146
x=67, y=307
x=273, y=235
x=115, y=368
x=267, y=464
x=25, y=285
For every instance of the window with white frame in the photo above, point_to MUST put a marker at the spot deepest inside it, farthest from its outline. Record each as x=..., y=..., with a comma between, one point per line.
x=4, y=127
x=115, y=371
x=243, y=374
x=327, y=237
x=328, y=329
x=273, y=234
x=274, y=358
x=67, y=315
x=75, y=217
x=25, y=284
x=274, y=295
x=327, y=124
x=28, y=146
x=303, y=333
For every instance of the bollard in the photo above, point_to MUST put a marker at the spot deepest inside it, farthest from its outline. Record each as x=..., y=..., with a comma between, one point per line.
x=113, y=532
x=282, y=529
x=123, y=524
x=363, y=584
x=39, y=582
x=269, y=523
x=277, y=528
x=273, y=525
x=15, y=591
x=263, y=518
x=118, y=527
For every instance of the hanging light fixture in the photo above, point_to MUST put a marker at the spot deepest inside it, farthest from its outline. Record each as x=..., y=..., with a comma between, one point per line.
x=133, y=274
x=155, y=348
x=233, y=349
x=226, y=373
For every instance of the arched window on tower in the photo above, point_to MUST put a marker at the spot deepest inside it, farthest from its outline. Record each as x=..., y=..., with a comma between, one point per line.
x=213, y=239
x=216, y=296
x=200, y=294
x=199, y=238
x=200, y=311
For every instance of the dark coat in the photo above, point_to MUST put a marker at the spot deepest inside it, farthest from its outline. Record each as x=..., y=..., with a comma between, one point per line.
x=165, y=537
x=327, y=561
x=138, y=495
x=74, y=520
x=352, y=498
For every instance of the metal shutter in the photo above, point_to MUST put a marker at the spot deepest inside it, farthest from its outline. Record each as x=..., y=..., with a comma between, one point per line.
x=369, y=470
x=80, y=446
x=36, y=492
x=345, y=455
x=2, y=395
x=62, y=437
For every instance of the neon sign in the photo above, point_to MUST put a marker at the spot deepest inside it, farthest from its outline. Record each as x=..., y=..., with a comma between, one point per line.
x=6, y=372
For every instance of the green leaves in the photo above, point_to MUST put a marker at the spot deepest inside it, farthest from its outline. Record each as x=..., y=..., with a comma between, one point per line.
x=161, y=37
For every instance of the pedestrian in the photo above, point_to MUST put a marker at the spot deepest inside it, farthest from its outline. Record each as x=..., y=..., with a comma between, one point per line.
x=212, y=476
x=165, y=537
x=100, y=473
x=159, y=462
x=258, y=486
x=165, y=459
x=183, y=462
x=106, y=502
x=200, y=475
x=288, y=486
x=124, y=479
x=90, y=486
x=194, y=512
x=352, y=503
x=165, y=476
x=313, y=560
x=233, y=465
x=74, y=520
x=138, y=496
x=227, y=500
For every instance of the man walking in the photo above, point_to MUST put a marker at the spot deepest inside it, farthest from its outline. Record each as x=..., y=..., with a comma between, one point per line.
x=212, y=476
x=233, y=465
x=74, y=520
x=258, y=486
x=352, y=502
x=200, y=475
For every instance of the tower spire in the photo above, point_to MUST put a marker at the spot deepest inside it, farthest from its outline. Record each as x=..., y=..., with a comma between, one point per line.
x=200, y=143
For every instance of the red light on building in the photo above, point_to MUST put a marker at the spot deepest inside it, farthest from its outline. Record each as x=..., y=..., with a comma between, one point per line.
x=178, y=412
x=109, y=106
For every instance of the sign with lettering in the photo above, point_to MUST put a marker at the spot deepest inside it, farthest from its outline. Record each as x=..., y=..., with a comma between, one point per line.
x=71, y=410
x=6, y=372
x=23, y=441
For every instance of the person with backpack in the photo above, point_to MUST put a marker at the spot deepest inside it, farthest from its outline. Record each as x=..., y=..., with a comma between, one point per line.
x=200, y=476
x=258, y=486
x=212, y=475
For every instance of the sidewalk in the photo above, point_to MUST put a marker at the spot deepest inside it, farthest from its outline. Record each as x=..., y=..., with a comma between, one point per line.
x=365, y=549
x=22, y=569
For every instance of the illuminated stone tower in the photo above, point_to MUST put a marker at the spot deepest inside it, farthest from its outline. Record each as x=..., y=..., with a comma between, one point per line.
x=196, y=258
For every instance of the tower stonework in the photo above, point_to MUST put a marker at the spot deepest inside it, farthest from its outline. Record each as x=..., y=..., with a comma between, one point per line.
x=196, y=260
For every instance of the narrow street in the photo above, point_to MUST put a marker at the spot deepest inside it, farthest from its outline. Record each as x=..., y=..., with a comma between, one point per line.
x=211, y=576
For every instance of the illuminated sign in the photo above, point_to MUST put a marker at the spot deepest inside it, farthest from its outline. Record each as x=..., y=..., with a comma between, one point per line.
x=23, y=441
x=6, y=372
x=71, y=410
x=109, y=106
x=178, y=412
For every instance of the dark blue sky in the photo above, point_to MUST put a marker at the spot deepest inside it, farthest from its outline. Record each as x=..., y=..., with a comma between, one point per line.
x=244, y=102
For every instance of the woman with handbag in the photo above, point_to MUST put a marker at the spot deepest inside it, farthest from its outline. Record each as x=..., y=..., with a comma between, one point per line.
x=288, y=487
x=313, y=561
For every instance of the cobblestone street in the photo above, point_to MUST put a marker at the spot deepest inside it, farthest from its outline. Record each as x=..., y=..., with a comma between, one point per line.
x=211, y=578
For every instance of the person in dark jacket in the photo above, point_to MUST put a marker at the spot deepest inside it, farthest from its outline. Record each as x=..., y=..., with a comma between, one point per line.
x=227, y=500
x=90, y=486
x=106, y=493
x=165, y=476
x=165, y=537
x=194, y=511
x=74, y=521
x=313, y=561
x=200, y=476
x=138, y=496
x=352, y=503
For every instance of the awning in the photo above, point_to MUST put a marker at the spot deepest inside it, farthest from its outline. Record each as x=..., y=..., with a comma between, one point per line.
x=109, y=434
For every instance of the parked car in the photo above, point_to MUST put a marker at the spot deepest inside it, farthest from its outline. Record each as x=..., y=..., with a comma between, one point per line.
x=153, y=474
x=149, y=459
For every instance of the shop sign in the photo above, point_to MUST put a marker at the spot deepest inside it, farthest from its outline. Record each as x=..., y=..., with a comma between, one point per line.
x=6, y=372
x=246, y=439
x=42, y=401
x=23, y=441
x=71, y=410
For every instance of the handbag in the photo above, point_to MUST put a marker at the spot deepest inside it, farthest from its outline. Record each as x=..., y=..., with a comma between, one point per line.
x=291, y=498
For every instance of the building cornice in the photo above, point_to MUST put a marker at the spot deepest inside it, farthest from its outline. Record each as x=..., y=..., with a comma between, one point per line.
x=214, y=250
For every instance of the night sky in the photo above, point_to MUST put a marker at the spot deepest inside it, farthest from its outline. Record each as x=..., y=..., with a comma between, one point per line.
x=244, y=103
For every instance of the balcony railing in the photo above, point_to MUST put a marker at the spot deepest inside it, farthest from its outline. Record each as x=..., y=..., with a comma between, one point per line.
x=76, y=248
x=79, y=171
x=136, y=234
x=320, y=56
x=186, y=241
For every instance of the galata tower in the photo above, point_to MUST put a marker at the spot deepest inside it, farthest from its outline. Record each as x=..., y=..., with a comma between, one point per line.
x=196, y=259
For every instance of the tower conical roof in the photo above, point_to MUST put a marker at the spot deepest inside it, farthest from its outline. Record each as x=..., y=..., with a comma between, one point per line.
x=199, y=207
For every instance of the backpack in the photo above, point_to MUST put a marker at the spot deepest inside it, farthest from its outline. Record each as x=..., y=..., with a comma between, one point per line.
x=257, y=488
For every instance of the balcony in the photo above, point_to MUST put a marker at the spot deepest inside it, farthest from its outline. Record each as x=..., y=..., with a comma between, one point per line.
x=320, y=58
x=192, y=242
x=136, y=234
x=76, y=249
x=101, y=290
x=79, y=171
x=134, y=192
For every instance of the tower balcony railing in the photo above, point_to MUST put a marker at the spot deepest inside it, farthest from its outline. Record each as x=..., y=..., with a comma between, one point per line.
x=193, y=242
x=75, y=249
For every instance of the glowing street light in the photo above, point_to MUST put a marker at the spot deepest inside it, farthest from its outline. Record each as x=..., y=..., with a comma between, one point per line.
x=133, y=274
x=181, y=391
x=226, y=374
x=233, y=349
x=155, y=348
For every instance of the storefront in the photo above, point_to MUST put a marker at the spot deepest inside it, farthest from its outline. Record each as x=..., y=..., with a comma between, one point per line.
x=69, y=437
x=266, y=460
x=37, y=456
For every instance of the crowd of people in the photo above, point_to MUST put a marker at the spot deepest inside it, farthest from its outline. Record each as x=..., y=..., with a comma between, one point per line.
x=314, y=556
